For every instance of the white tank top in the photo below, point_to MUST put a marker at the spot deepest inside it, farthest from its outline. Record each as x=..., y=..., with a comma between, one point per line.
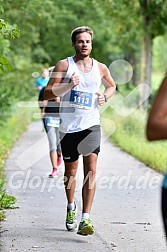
x=79, y=107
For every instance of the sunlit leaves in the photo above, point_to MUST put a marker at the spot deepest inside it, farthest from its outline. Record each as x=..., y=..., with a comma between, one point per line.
x=155, y=16
x=5, y=66
x=7, y=32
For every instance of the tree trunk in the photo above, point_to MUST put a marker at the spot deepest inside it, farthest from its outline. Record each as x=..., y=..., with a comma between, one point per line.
x=133, y=62
x=146, y=69
x=146, y=55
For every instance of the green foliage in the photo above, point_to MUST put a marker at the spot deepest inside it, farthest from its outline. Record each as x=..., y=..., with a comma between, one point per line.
x=40, y=55
x=6, y=201
x=50, y=30
x=5, y=66
x=7, y=32
x=130, y=137
x=155, y=16
x=124, y=16
x=17, y=86
x=159, y=57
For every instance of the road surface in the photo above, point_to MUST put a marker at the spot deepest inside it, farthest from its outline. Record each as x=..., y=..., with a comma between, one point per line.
x=126, y=209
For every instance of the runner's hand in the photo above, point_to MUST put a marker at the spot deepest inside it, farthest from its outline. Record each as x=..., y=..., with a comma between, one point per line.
x=100, y=99
x=75, y=79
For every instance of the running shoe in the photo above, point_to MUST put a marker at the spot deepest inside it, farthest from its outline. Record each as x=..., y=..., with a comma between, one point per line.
x=71, y=221
x=85, y=227
x=54, y=173
x=58, y=160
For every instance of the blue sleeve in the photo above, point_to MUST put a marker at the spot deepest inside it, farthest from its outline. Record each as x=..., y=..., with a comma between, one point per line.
x=37, y=84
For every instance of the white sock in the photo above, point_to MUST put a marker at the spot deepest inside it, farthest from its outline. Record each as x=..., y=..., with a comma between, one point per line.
x=71, y=206
x=85, y=215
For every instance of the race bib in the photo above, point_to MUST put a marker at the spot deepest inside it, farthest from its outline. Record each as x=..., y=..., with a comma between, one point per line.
x=53, y=121
x=82, y=100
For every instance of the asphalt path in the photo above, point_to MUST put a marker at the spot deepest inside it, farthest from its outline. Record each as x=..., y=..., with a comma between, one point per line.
x=125, y=213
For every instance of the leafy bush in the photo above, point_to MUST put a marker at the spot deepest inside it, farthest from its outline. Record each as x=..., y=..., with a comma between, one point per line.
x=6, y=201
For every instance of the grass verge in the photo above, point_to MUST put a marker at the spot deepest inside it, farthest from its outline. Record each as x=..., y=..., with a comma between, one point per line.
x=129, y=135
x=10, y=132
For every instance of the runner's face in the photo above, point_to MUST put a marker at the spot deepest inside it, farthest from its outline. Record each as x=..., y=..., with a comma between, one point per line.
x=45, y=73
x=83, y=44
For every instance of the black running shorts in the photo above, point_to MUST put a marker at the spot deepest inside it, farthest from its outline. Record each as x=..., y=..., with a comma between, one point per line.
x=83, y=143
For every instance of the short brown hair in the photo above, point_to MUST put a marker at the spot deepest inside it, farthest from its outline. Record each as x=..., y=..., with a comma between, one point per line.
x=80, y=30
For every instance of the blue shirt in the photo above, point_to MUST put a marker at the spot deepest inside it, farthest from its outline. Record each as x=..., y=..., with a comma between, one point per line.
x=41, y=82
x=164, y=183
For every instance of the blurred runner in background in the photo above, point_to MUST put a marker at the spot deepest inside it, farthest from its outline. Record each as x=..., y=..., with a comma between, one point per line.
x=51, y=122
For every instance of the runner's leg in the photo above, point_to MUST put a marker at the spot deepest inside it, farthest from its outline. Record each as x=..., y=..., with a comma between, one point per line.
x=89, y=185
x=70, y=179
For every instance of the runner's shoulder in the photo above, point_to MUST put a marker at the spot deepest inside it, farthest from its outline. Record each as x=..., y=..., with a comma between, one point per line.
x=103, y=68
x=62, y=65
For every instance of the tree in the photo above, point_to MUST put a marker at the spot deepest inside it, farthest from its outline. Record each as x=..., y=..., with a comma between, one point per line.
x=138, y=18
x=154, y=17
x=7, y=32
x=124, y=20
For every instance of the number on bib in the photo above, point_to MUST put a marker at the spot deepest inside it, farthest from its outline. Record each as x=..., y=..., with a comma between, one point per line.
x=81, y=99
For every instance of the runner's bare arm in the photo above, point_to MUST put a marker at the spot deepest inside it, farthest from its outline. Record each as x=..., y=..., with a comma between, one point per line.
x=108, y=83
x=55, y=87
x=157, y=120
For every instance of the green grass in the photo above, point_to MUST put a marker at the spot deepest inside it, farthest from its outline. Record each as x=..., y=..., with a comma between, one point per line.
x=10, y=132
x=129, y=135
x=156, y=80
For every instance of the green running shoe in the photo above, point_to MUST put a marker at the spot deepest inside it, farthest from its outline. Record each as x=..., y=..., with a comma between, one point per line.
x=71, y=222
x=85, y=227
